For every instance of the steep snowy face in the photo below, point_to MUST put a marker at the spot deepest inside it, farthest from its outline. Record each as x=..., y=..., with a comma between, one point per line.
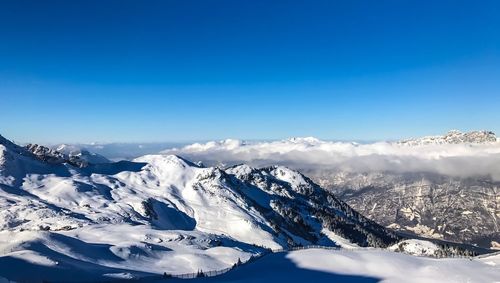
x=3, y=163
x=273, y=207
x=301, y=210
x=16, y=162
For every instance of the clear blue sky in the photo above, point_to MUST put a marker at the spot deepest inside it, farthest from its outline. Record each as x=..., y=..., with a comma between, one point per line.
x=81, y=71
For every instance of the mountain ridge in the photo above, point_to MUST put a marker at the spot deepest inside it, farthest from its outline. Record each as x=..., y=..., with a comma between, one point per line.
x=453, y=137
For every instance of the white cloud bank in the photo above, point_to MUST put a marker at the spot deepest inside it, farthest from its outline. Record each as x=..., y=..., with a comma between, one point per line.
x=464, y=160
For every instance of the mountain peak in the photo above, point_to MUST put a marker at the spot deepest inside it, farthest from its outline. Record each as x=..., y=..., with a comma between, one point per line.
x=6, y=142
x=454, y=137
x=308, y=140
x=53, y=156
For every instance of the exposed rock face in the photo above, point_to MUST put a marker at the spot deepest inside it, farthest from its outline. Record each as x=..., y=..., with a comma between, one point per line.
x=53, y=156
x=456, y=209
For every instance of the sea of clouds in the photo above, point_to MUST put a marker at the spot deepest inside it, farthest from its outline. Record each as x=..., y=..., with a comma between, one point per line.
x=461, y=160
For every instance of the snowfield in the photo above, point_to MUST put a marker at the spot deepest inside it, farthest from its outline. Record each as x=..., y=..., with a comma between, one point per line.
x=310, y=265
x=98, y=253
x=362, y=265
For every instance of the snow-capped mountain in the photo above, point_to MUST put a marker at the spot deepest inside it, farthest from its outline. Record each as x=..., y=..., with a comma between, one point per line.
x=53, y=156
x=161, y=213
x=81, y=153
x=445, y=187
x=453, y=137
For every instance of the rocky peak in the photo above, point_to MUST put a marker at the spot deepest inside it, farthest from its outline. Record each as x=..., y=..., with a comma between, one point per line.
x=454, y=137
x=53, y=156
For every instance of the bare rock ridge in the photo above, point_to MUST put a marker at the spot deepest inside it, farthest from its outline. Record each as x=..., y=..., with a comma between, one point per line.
x=52, y=156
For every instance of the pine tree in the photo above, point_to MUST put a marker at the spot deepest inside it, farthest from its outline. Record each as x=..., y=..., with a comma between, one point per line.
x=200, y=274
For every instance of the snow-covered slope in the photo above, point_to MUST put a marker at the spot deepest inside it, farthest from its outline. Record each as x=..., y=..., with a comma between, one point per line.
x=159, y=213
x=362, y=266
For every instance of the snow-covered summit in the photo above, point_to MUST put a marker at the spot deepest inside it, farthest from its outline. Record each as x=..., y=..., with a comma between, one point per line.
x=454, y=137
x=81, y=153
x=53, y=156
x=304, y=140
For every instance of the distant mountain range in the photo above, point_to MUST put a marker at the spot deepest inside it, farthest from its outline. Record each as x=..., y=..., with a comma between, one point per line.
x=454, y=137
x=116, y=151
x=445, y=187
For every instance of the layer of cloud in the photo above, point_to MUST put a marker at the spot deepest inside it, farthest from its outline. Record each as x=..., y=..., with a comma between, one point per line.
x=465, y=160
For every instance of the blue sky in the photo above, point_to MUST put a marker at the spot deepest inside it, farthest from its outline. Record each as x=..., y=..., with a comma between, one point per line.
x=138, y=71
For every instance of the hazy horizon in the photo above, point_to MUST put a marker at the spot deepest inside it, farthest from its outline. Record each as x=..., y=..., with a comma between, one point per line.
x=175, y=143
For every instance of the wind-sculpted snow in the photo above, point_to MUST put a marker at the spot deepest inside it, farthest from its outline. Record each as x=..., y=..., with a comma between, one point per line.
x=468, y=158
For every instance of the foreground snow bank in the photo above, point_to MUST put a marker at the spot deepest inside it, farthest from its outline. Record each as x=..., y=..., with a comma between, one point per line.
x=101, y=253
x=362, y=265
